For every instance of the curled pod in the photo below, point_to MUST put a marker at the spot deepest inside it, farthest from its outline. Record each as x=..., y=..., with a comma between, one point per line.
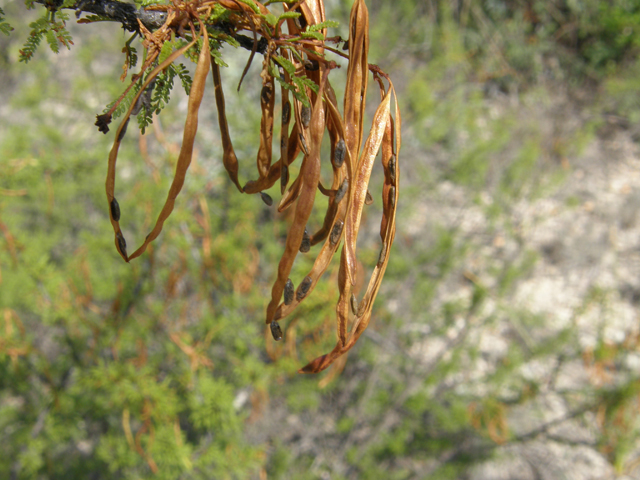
x=354, y=304
x=336, y=232
x=115, y=210
x=286, y=112
x=288, y=292
x=304, y=287
x=266, y=198
x=276, y=331
x=339, y=153
x=392, y=196
x=342, y=189
x=305, y=116
x=368, y=199
x=305, y=245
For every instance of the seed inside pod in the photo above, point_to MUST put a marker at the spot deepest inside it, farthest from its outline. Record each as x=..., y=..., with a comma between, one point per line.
x=265, y=95
x=305, y=116
x=339, y=153
x=122, y=244
x=266, y=198
x=124, y=130
x=392, y=196
x=284, y=178
x=368, y=199
x=303, y=144
x=354, y=304
x=383, y=254
x=115, y=210
x=276, y=331
x=342, y=189
x=303, y=289
x=336, y=231
x=286, y=112
x=288, y=292
x=305, y=245
x=392, y=168
x=361, y=308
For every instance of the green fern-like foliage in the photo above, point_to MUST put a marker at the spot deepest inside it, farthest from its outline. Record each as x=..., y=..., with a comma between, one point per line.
x=4, y=26
x=47, y=27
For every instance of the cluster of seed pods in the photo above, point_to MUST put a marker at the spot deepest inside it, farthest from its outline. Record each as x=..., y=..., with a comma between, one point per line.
x=351, y=159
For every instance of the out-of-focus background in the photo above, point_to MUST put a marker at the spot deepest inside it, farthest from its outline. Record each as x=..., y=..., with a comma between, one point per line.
x=504, y=342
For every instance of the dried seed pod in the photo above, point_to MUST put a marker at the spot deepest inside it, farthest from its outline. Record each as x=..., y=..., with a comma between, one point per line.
x=354, y=304
x=339, y=153
x=303, y=289
x=336, y=231
x=342, y=189
x=115, y=210
x=392, y=196
x=266, y=93
x=361, y=308
x=288, y=292
x=286, y=112
x=305, y=116
x=276, y=331
x=368, y=199
x=266, y=198
x=383, y=254
x=122, y=244
x=124, y=130
x=305, y=245
x=392, y=168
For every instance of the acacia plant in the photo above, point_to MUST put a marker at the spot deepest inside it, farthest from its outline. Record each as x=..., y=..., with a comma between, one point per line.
x=296, y=55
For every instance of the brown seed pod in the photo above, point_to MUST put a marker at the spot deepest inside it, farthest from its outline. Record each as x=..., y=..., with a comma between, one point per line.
x=115, y=210
x=339, y=153
x=266, y=93
x=342, y=189
x=383, y=254
x=284, y=178
x=276, y=331
x=305, y=245
x=288, y=292
x=123, y=131
x=392, y=168
x=303, y=144
x=122, y=244
x=305, y=116
x=336, y=231
x=266, y=198
x=392, y=196
x=303, y=289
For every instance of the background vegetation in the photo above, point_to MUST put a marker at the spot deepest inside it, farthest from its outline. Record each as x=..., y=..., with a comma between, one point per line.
x=504, y=339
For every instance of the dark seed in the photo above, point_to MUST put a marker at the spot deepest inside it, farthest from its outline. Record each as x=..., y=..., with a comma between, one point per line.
x=122, y=244
x=336, y=231
x=368, y=199
x=288, y=292
x=123, y=131
x=354, y=304
x=305, y=245
x=311, y=65
x=339, y=153
x=115, y=210
x=266, y=93
x=392, y=196
x=303, y=144
x=305, y=116
x=392, y=168
x=383, y=254
x=276, y=331
x=361, y=309
x=284, y=177
x=303, y=289
x=286, y=112
x=342, y=189
x=266, y=198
